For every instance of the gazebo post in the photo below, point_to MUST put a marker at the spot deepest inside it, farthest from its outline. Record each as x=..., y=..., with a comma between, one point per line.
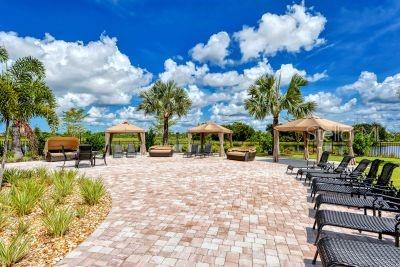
x=202, y=136
x=305, y=139
x=221, y=144
x=189, y=142
x=320, y=141
x=350, y=144
x=275, y=151
x=142, y=143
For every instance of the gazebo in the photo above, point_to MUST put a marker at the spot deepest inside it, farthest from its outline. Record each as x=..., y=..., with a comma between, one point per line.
x=316, y=126
x=126, y=128
x=211, y=128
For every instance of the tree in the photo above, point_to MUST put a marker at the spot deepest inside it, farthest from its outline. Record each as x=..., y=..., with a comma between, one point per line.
x=265, y=98
x=8, y=105
x=242, y=131
x=165, y=100
x=73, y=121
x=34, y=99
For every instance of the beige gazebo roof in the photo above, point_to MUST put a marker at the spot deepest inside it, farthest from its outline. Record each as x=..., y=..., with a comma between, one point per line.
x=313, y=123
x=210, y=127
x=125, y=127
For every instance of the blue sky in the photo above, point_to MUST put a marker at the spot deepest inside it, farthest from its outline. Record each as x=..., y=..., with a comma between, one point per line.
x=99, y=55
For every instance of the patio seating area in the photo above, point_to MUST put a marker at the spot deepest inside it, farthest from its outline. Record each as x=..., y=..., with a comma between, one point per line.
x=221, y=212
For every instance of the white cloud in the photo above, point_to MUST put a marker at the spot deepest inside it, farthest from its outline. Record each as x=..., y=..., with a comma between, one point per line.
x=183, y=74
x=297, y=29
x=99, y=116
x=197, y=96
x=370, y=90
x=70, y=100
x=287, y=71
x=97, y=70
x=330, y=103
x=215, y=51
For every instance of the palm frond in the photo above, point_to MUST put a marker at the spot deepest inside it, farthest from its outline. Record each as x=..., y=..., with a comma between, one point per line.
x=3, y=54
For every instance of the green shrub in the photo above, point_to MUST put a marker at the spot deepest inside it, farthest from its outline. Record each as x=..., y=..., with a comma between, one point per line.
x=63, y=183
x=22, y=228
x=91, y=190
x=362, y=143
x=14, y=251
x=47, y=206
x=57, y=222
x=96, y=140
x=3, y=220
x=44, y=175
x=80, y=212
x=25, y=195
x=150, y=138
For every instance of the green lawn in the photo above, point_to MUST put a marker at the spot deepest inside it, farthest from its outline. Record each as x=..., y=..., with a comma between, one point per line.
x=396, y=173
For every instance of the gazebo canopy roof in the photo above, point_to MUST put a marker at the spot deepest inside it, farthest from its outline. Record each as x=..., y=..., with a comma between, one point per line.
x=311, y=124
x=125, y=127
x=210, y=127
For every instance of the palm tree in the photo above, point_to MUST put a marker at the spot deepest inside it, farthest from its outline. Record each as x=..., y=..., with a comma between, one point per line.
x=34, y=97
x=265, y=98
x=165, y=100
x=8, y=104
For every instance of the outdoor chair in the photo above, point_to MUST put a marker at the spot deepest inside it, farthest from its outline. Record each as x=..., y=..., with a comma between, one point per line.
x=374, y=202
x=343, y=252
x=193, y=150
x=321, y=165
x=117, y=152
x=341, y=178
x=207, y=150
x=360, y=222
x=84, y=153
x=383, y=185
x=341, y=168
x=131, y=152
x=101, y=156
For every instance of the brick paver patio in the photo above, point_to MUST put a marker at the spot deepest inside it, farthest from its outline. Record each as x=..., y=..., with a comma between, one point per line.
x=185, y=212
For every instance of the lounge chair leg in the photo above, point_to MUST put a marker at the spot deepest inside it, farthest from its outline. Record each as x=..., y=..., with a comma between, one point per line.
x=315, y=206
x=380, y=236
x=315, y=193
x=315, y=224
x=318, y=234
x=315, y=257
x=397, y=241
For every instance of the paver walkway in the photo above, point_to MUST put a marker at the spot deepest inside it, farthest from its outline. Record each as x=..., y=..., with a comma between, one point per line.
x=185, y=212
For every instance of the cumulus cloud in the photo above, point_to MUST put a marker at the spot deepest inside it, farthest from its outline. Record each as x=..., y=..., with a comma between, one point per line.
x=370, y=90
x=215, y=51
x=287, y=71
x=330, y=103
x=96, y=72
x=183, y=74
x=298, y=29
x=99, y=116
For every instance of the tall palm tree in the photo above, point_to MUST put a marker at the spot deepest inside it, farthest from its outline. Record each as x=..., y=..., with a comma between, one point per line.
x=265, y=98
x=34, y=97
x=8, y=105
x=165, y=100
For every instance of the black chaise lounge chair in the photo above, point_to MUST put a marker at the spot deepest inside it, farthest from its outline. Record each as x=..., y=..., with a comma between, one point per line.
x=84, y=153
x=374, y=202
x=323, y=164
x=360, y=222
x=131, y=151
x=341, y=178
x=117, y=152
x=382, y=185
x=340, y=169
x=101, y=156
x=342, y=252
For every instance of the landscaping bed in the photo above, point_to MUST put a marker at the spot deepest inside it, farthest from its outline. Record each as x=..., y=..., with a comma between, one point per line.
x=45, y=214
